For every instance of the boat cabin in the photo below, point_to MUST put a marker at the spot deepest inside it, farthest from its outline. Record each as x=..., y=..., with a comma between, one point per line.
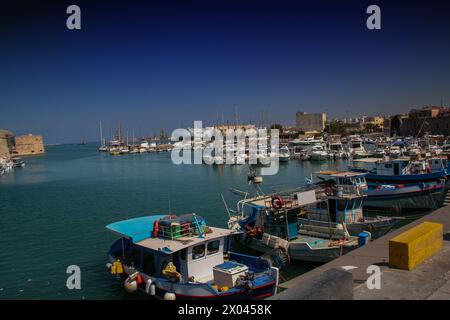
x=345, y=182
x=385, y=167
x=150, y=243
x=439, y=164
x=344, y=196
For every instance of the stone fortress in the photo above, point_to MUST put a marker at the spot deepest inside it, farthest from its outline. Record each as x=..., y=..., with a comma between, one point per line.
x=11, y=145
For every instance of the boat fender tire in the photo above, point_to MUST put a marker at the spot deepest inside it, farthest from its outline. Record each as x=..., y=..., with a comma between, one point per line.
x=169, y=296
x=148, y=286
x=153, y=290
x=130, y=286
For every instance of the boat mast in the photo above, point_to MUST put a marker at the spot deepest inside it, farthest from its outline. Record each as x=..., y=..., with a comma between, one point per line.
x=101, y=135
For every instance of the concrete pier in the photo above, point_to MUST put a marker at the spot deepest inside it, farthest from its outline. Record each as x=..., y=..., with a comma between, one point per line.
x=429, y=280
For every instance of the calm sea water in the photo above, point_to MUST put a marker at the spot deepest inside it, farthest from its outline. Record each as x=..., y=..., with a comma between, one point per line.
x=53, y=212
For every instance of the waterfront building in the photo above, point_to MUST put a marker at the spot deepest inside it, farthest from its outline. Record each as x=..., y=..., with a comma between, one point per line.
x=29, y=145
x=311, y=122
x=10, y=145
x=6, y=143
x=432, y=120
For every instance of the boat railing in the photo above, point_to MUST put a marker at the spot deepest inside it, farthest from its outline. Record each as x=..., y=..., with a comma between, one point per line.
x=177, y=230
x=347, y=190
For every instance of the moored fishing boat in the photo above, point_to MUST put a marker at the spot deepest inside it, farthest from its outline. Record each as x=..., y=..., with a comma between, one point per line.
x=269, y=223
x=344, y=199
x=180, y=257
x=401, y=184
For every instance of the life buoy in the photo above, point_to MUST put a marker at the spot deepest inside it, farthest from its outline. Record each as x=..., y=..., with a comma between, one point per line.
x=277, y=202
x=155, y=229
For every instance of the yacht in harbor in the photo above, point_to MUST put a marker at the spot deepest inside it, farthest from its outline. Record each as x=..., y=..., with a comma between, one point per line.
x=284, y=154
x=318, y=152
x=102, y=147
x=334, y=147
x=355, y=147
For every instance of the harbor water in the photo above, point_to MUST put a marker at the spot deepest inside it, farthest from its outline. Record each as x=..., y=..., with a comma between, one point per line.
x=53, y=212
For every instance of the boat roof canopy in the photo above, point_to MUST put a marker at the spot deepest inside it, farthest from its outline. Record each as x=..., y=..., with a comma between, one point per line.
x=343, y=174
x=170, y=246
x=135, y=229
x=139, y=231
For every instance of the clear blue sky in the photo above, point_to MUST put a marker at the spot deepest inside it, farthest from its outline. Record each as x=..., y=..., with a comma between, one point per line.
x=158, y=64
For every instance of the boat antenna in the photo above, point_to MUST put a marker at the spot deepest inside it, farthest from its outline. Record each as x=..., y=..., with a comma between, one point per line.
x=168, y=200
x=226, y=206
x=101, y=135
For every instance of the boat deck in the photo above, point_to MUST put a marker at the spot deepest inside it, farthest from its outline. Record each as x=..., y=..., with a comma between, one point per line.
x=313, y=242
x=170, y=246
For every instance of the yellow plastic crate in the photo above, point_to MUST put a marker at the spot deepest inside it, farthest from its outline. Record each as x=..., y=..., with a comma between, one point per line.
x=412, y=247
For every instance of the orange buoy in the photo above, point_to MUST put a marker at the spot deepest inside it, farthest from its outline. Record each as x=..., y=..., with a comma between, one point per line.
x=155, y=229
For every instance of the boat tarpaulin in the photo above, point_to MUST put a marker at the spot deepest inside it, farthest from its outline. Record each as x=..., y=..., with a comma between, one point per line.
x=136, y=229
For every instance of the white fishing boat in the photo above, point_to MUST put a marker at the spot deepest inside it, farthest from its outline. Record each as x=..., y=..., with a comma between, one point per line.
x=270, y=222
x=343, y=192
x=180, y=257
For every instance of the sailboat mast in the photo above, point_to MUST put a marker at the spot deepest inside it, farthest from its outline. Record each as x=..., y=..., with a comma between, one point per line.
x=101, y=134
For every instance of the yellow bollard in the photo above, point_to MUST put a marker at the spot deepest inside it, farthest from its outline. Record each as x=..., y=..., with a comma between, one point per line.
x=414, y=246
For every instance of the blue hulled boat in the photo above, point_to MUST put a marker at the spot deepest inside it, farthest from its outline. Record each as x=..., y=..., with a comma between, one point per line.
x=401, y=183
x=180, y=257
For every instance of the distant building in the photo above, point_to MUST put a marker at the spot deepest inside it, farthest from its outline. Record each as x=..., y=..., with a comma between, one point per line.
x=226, y=127
x=10, y=145
x=311, y=122
x=377, y=121
x=29, y=145
x=6, y=143
x=434, y=120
